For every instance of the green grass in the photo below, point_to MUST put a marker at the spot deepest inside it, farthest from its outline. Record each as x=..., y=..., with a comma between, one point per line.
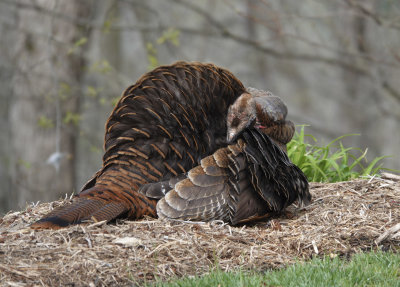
x=365, y=269
x=330, y=163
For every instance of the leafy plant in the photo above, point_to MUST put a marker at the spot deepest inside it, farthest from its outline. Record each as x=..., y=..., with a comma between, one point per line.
x=101, y=67
x=80, y=42
x=45, y=123
x=71, y=118
x=91, y=92
x=171, y=35
x=25, y=163
x=152, y=56
x=330, y=163
x=64, y=91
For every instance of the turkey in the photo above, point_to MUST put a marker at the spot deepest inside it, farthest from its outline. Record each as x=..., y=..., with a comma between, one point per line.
x=243, y=181
x=161, y=127
x=167, y=124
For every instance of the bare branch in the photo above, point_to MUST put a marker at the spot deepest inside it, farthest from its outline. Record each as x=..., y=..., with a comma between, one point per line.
x=221, y=31
x=369, y=14
x=286, y=55
x=390, y=90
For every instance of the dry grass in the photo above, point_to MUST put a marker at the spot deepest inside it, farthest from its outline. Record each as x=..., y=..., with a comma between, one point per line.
x=343, y=218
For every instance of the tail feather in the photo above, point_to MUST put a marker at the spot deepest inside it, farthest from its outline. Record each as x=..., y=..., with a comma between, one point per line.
x=109, y=211
x=81, y=208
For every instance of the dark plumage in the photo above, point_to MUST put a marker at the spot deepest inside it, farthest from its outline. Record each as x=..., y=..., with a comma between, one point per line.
x=245, y=180
x=161, y=127
x=168, y=134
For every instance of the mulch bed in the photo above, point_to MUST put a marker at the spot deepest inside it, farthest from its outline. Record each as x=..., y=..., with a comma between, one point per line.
x=343, y=218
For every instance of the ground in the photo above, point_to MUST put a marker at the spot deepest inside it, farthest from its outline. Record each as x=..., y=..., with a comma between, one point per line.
x=343, y=218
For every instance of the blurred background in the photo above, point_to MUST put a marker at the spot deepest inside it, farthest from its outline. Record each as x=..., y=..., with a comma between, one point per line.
x=64, y=64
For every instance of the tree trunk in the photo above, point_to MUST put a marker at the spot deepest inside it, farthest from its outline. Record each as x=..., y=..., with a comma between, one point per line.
x=42, y=111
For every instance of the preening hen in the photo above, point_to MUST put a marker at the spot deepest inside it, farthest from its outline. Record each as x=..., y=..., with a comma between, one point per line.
x=161, y=127
x=167, y=124
x=245, y=180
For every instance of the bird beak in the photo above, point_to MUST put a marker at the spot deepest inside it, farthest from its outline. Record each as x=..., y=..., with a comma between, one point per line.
x=230, y=137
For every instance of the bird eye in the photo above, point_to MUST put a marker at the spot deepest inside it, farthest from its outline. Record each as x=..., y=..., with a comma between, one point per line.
x=235, y=122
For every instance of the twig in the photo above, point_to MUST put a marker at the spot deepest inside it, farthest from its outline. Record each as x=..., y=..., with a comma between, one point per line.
x=388, y=233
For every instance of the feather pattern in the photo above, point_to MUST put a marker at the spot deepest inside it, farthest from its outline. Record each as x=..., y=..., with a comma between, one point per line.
x=259, y=179
x=248, y=179
x=162, y=126
x=167, y=141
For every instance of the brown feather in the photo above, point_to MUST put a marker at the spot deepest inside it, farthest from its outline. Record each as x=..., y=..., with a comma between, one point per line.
x=247, y=180
x=176, y=118
x=162, y=126
x=259, y=180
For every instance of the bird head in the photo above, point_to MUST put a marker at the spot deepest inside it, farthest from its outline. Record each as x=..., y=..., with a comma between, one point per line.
x=241, y=115
x=258, y=109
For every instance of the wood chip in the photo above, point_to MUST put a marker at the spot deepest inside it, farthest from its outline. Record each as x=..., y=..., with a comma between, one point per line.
x=391, y=176
x=343, y=218
x=388, y=233
x=131, y=241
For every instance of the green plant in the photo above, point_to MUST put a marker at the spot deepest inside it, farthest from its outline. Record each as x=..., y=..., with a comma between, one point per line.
x=171, y=36
x=80, y=42
x=330, y=163
x=364, y=269
x=45, y=122
x=152, y=56
x=71, y=118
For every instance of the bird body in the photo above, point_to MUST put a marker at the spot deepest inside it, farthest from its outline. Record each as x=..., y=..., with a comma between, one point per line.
x=161, y=127
x=167, y=153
